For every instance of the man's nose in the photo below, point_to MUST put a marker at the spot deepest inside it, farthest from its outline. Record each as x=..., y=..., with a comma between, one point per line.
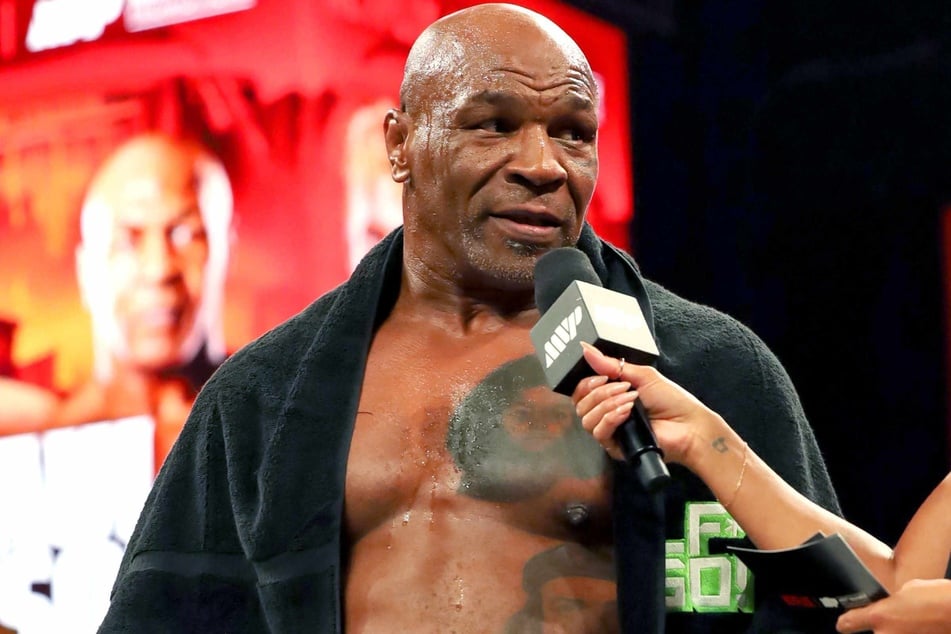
x=158, y=259
x=535, y=160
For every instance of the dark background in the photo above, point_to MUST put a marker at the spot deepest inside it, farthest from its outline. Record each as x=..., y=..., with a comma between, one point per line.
x=792, y=164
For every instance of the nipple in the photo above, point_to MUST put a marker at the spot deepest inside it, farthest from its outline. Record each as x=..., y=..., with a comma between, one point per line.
x=577, y=513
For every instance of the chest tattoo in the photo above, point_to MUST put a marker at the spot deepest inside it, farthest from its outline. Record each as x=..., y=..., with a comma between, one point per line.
x=512, y=437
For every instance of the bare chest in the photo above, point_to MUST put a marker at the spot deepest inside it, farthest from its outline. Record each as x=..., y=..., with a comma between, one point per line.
x=468, y=428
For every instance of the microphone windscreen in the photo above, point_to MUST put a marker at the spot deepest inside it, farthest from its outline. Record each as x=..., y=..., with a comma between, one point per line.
x=558, y=268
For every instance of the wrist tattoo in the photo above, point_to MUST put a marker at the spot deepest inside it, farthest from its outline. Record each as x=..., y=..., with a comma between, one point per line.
x=720, y=445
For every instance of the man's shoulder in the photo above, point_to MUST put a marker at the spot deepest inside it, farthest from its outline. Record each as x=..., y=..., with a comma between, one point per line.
x=684, y=323
x=278, y=352
x=714, y=355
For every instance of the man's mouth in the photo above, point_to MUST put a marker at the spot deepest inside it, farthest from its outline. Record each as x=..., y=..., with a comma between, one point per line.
x=531, y=217
x=158, y=317
x=528, y=225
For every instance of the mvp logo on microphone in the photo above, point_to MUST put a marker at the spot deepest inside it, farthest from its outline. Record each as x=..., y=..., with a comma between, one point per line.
x=565, y=332
x=611, y=321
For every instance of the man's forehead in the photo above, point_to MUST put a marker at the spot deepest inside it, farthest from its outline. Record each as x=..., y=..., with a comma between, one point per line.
x=152, y=187
x=490, y=39
x=506, y=86
x=540, y=69
x=146, y=201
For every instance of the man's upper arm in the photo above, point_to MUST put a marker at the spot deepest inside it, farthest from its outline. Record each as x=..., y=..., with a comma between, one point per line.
x=184, y=569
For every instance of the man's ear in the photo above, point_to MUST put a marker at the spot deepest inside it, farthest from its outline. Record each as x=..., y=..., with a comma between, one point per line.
x=396, y=130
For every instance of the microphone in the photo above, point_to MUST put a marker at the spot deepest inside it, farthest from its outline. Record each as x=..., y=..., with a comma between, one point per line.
x=575, y=307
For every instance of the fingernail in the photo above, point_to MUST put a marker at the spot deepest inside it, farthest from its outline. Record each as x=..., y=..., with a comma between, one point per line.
x=587, y=346
x=624, y=407
x=595, y=381
x=620, y=386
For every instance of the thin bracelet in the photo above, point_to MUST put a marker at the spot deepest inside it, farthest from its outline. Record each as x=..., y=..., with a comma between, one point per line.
x=739, y=480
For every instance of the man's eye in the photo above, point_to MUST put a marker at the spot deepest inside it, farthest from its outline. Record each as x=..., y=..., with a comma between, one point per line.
x=183, y=235
x=127, y=239
x=575, y=135
x=523, y=415
x=495, y=125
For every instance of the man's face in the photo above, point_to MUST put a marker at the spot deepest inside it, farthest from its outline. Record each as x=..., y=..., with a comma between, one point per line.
x=504, y=158
x=538, y=417
x=155, y=259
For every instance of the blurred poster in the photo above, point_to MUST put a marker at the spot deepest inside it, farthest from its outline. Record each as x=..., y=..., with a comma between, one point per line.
x=175, y=179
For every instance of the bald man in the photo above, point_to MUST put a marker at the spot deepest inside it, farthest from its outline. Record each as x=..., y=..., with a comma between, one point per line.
x=155, y=231
x=151, y=265
x=155, y=228
x=385, y=461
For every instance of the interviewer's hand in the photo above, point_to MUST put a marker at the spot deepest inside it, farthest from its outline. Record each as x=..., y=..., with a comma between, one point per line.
x=919, y=607
x=680, y=421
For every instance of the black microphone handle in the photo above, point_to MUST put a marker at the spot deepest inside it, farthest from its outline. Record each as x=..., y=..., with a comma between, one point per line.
x=640, y=449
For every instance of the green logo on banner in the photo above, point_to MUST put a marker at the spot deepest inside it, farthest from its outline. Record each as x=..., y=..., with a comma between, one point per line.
x=698, y=581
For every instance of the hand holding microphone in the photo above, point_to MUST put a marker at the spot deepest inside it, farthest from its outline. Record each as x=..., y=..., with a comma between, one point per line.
x=677, y=418
x=575, y=308
x=604, y=402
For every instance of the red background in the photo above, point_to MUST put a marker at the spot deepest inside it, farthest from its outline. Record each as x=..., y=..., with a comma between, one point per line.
x=269, y=90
